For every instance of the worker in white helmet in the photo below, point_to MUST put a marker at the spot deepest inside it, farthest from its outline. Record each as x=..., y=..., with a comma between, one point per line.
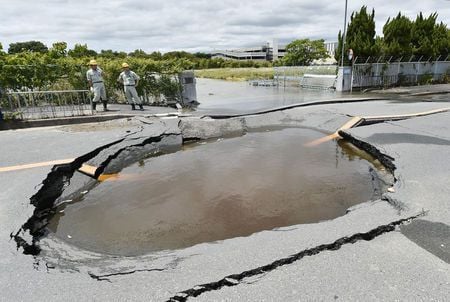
x=130, y=80
x=95, y=78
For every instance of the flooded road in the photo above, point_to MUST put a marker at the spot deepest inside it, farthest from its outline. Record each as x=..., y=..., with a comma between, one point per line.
x=217, y=190
x=240, y=97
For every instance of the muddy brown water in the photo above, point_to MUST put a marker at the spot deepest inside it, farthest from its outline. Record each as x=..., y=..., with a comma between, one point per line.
x=216, y=190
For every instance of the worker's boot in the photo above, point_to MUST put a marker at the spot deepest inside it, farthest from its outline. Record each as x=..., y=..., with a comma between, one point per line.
x=105, y=106
x=94, y=106
x=133, y=107
x=141, y=107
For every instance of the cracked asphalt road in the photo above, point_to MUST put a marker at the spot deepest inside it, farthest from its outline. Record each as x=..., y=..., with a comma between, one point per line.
x=407, y=262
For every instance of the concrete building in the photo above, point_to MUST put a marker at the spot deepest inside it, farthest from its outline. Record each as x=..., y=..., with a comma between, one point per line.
x=270, y=51
x=267, y=52
x=331, y=47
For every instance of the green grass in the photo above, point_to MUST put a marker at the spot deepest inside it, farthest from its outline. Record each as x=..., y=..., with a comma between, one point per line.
x=263, y=73
x=236, y=74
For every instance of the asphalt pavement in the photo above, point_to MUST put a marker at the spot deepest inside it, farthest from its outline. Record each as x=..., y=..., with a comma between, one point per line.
x=395, y=248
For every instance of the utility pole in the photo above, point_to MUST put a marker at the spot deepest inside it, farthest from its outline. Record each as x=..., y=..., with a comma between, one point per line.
x=344, y=35
x=341, y=69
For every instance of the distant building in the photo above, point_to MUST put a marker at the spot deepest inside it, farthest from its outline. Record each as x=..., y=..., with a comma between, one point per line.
x=331, y=48
x=267, y=52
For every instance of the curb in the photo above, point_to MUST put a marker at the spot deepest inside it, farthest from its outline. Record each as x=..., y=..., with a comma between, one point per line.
x=12, y=125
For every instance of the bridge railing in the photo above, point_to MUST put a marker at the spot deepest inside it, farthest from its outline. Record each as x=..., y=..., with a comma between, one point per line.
x=28, y=105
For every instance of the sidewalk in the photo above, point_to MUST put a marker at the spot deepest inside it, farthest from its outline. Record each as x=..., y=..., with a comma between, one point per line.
x=115, y=111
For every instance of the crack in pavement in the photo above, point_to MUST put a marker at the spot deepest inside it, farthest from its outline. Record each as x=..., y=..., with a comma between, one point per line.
x=236, y=279
x=105, y=277
x=52, y=188
x=396, y=204
x=43, y=200
x=113, y=156
x=385, y=159
x=314, y=103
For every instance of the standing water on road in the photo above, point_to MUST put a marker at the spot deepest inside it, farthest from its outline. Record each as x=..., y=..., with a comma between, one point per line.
x=228, y=97
x=216, y=190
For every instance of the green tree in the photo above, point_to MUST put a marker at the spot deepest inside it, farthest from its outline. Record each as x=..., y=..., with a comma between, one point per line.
x=338, y=51
x=58, y=50
x=177, y=55
x=32, y=46
x=156, y=55
x=361, y=33
x=441, y=40
x=111, y=54
x=303, y=52
x=31, y=70
x=429, y=38
x=82, y=51
x=397, y=36
x=202, y=55
x=422, y=35
x=138, y=53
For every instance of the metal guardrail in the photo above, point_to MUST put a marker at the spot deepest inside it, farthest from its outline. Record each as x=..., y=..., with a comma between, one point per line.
x=28, y=105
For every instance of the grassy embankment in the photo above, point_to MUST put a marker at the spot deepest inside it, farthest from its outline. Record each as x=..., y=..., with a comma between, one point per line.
x=236, y=74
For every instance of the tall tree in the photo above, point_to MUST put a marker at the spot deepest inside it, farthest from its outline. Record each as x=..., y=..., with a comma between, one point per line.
x=138, y=53
x=202, y=55
x=441, y=40
x=32, y=46
x=156, y=55
x=429, y=38
x=177, y=55
x=397, y=36
x=360, y=35
x=422, y=35
x=338, y=51
x=303, y=52
x=1, y=50
x=58, y=50
x=81, y=51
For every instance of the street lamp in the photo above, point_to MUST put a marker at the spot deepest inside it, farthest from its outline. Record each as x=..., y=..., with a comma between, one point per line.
x=344, y=34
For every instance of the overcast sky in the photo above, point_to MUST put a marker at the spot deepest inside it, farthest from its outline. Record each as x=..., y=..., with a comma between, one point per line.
x=194, y=25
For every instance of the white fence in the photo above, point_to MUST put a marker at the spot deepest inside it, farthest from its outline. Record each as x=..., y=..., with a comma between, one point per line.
x=388, y=74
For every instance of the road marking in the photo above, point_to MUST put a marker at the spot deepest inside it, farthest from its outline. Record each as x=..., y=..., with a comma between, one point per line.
x=349, y=124
x=404, y=116
x=88, y=169
x=91, y=170
x=104, y=177
x=36, y=165
x=355, y=120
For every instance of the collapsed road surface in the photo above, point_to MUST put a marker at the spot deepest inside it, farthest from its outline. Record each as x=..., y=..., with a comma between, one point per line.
x=393, y=248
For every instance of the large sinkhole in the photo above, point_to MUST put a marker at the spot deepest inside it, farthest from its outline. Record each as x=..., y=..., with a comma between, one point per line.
x=219, y=189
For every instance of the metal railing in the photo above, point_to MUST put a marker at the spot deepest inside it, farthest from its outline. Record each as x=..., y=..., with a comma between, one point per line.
x=293, y=75
x=28, y=105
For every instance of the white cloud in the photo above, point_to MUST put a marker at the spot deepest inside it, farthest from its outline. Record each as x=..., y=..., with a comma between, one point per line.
x=189, y=25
